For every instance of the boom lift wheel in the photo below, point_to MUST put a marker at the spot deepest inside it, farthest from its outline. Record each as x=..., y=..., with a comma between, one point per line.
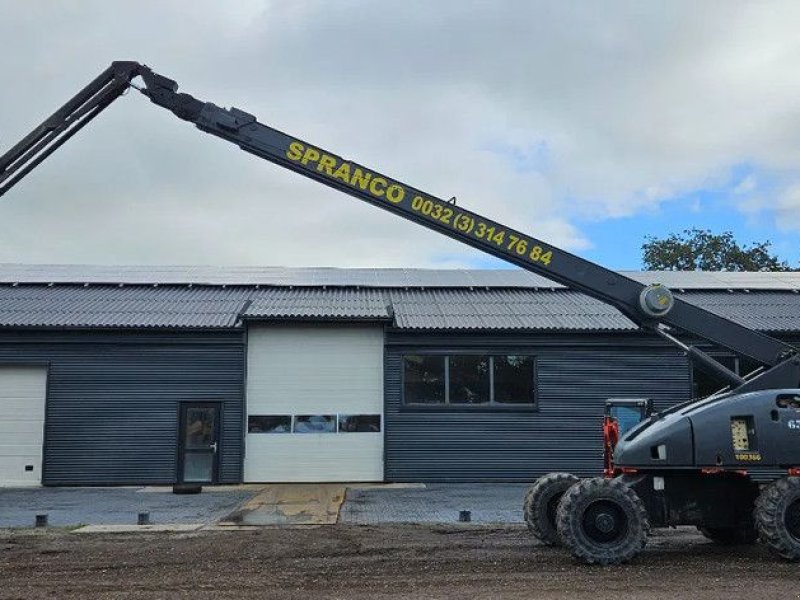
x=541, y=505
x=778, y=517
x=602, y=521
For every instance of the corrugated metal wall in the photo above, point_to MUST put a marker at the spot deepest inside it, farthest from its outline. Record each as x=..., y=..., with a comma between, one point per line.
x=576, y=374
x=113, y=398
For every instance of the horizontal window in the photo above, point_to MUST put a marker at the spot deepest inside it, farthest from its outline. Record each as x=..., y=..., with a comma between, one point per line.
x=463, y=380
x=359, y=423
x=269, y=424
x=315, y=424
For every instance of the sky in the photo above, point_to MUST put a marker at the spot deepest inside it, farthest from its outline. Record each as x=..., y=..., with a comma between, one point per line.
x=588, y=125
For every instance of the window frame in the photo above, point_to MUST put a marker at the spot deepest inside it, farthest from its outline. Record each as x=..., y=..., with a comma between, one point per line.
x=295, y=420
x=447, y=406
x=348, y=415
x=336, y=430
x=257, y=416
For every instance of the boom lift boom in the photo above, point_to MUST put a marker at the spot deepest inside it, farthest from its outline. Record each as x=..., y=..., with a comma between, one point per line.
x=666, y=448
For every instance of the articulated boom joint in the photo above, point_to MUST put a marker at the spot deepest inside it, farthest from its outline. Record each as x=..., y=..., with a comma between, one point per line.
x=163, y=91
x=656, y=300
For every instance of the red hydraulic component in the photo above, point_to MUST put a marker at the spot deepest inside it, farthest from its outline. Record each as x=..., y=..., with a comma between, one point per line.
x=610, y=439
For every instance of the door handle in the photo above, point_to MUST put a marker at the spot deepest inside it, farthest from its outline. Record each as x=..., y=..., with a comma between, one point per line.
x=213, y=446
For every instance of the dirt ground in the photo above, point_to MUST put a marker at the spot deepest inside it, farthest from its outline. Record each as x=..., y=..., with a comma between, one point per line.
x=373, y=562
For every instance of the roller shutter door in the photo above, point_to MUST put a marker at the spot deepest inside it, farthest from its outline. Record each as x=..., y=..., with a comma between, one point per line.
x=314, y=403
x=22, y=400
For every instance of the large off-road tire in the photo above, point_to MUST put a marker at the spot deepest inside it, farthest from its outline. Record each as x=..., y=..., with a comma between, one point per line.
x=778, y=517
x=602, y=521
x=541, y=505
x=731, y=536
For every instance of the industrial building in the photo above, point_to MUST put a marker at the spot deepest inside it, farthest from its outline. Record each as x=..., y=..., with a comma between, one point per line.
x=150, y=375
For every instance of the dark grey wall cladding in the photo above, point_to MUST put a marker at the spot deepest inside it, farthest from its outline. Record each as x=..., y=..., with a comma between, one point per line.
x=576, y=374
x=113, y=400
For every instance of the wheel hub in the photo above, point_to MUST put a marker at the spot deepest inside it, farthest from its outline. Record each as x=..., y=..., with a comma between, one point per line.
x=604, y=522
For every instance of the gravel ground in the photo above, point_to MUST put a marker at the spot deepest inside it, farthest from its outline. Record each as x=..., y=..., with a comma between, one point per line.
x=390, y=561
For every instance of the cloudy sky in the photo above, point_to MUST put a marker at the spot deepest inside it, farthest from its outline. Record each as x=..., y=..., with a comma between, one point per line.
x=590, y=125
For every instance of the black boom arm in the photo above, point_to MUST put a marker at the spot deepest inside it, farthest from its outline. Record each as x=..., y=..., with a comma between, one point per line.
x=651, y=307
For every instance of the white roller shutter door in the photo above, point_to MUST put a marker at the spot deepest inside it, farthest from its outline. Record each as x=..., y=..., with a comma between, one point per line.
x=22, y=400
x=315, y=370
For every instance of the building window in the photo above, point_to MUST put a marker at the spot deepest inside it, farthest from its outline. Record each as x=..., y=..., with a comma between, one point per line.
x=514, y=378
x=269, y=424
x=424, y=378
x=359, y=423
x=464, y=380
x=469, y=379
x=315, y=424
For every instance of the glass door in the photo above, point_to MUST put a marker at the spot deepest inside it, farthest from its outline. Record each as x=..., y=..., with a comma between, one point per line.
x=199, y=442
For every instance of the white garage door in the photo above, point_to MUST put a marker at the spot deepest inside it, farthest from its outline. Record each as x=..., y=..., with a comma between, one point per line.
x=22, y=397
x=314, y=403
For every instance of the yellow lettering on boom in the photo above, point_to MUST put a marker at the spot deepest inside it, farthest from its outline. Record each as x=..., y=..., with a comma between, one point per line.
x=310, y=155
x=295, y=151
x=343, y=172
x=360, y=179
x=395, y=193
x=378, y=186
x=327, y=164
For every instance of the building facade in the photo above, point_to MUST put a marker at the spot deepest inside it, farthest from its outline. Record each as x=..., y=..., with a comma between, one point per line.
x=114, y=376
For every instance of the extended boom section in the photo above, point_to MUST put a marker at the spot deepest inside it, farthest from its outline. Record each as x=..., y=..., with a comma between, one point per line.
x=456, y=222
x=651, y=307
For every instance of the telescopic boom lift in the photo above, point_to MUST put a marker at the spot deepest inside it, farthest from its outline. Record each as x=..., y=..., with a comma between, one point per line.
x=728, y=463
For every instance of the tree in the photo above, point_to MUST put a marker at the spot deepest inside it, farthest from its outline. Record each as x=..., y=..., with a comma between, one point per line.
x=702, y=250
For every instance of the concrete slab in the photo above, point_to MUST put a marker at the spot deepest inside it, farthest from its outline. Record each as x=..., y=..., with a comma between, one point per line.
x=169, y=527
x=69, y=507
x=208, y=489
x=290, y=504
x=435, y=503
x=386, y=486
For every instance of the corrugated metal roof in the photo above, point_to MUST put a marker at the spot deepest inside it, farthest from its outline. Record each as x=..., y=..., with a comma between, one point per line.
x=102, y=306
x=776, y=312
x=372, y=278
x=115, y=307
x=504, y=310
x=335, y=303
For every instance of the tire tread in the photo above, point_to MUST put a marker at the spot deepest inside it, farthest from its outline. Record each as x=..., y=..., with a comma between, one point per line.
x=569, y=521
x=769, y=515
x=535, y=505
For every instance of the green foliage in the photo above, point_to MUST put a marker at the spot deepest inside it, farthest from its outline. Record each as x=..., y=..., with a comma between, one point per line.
x=701, y=250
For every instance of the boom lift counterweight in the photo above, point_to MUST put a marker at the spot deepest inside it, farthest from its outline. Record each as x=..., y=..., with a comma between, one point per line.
x=696, y=464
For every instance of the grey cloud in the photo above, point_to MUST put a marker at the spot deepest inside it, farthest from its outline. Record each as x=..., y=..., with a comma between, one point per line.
x=635, y=102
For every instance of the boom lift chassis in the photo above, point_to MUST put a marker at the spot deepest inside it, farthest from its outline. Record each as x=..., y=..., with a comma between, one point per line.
x=728, y=463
